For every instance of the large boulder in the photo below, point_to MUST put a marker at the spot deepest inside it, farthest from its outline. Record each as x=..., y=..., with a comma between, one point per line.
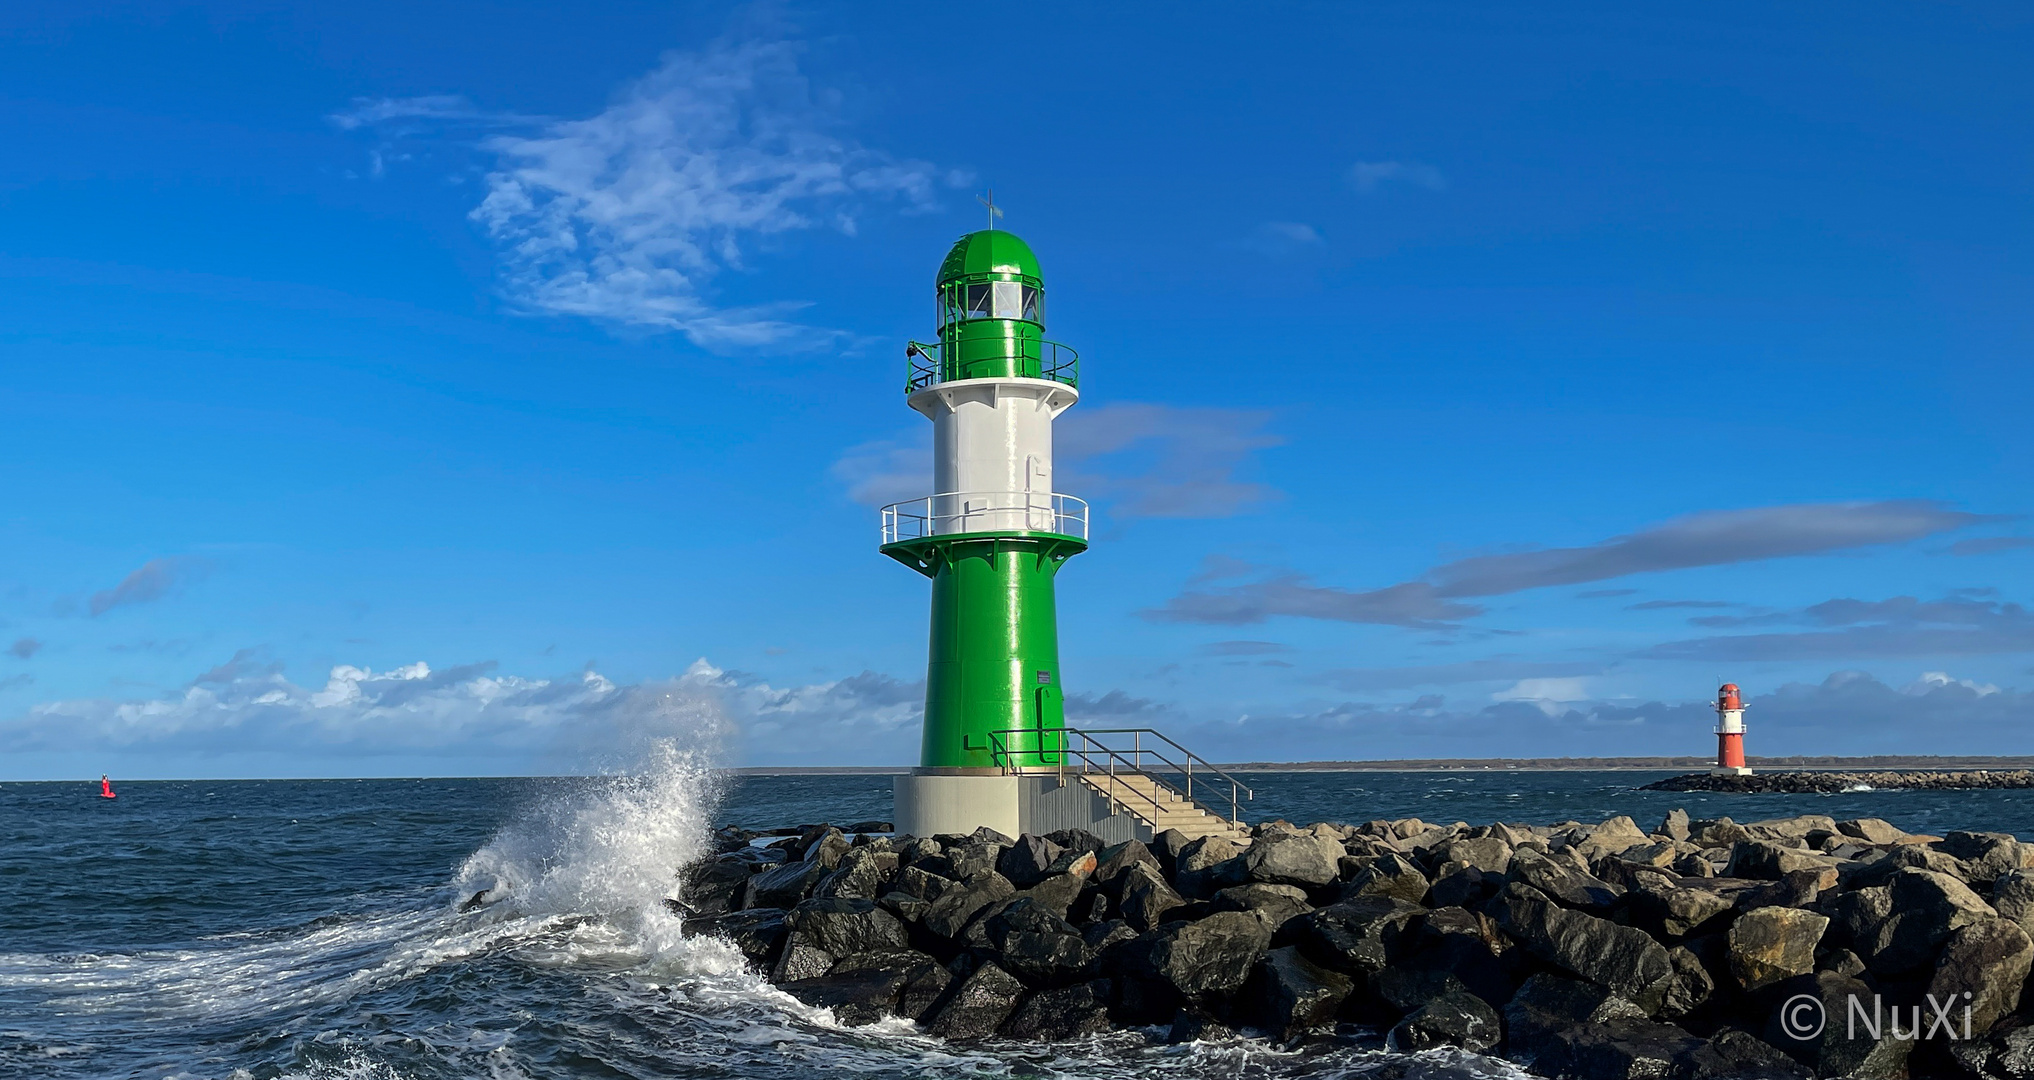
x=1870, y=830
x=1926, y=908
x=1560, y=881
x=1675, y=825
x=1355, y=937
x=1773, y=944
x=1488, y=854
x=978, y=1006
x=951, y=913
x=1067, y=1012
x=1389, y=875
x=1113, y=860
x=1291, y=995
x=757, y=932
x=1763, y=860
x=784, y=886
x=1028, y=861
x=1680, y=910
x=715, y=886
x=1301, y=859
x=1454, y=1019
x=1272, y=904
x=1143, y=896
x=1986, y=855
x=1035, y=944
x=1547, y=1004
x=1817, y=1023
x=865, y=988
x=1215, y=954
x=843, y=926
x=859, y=875
x=1622, y=958
x=1989, y=960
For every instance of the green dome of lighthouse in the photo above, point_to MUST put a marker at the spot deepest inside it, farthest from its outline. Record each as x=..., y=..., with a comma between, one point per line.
x=989, y=253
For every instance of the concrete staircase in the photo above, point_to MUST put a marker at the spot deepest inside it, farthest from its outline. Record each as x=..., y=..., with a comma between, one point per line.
x=1161, y=806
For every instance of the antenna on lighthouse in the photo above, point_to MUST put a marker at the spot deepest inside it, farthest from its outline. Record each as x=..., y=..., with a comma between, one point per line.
x=989, y=201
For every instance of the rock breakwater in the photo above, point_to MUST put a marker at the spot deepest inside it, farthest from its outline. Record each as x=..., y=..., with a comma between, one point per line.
x=1802, y=783
x=1698, y=949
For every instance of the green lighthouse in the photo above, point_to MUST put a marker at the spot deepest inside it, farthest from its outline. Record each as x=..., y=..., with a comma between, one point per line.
x=993, y=533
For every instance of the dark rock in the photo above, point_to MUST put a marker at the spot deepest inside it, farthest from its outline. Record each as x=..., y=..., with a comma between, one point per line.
x=1547, y=1004
x=908, y=908
x=922, y=883
x=1290, y=995
x=1073, y=863
x=1058, y=892
x=871, y=827
x=1469, y=947
x=1301, y=859
x=1273, y=904
x=859, y=875
x=1456, y=1019
x=1113, y=860
x=1355, y=937
x=1144, y=898
x=1734, y=1054
x=951, y=913
x=800, y=960
x=1772, y=945
x=2013, y=1054
x=1067, y=1012
x=842, y=926
x=1036, y=945
x=1196, y=1025
x=1391, y=875
x=919, y=847
x=1796, y=888
x=2013, y=897
x=1926, y=908
x=715, y=887
x=1168, y=846
x=1677, y=911
x=864, y=988
x=1763, y=860
x=1213, y=955
x=973, y=860
x=827, y=849
x=1077, y=840
x=986, y=835
x=1691, y=986
x=1406, y=988
x=1986, y=855
x=1028, y=861
x=1207, y=864
x=1881, y=869
x=978, y=1006
x=783, y=886
x=1818, y=1006
x=1989, y=960
x=1561, y=882
x=757, y=932
x=1855, y=916
x=1101, y=936
x=1617, y=1050
x=1486, y=853
x=1622, y=958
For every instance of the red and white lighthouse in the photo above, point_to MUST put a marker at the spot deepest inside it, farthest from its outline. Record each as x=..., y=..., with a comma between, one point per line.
x=1729, y=733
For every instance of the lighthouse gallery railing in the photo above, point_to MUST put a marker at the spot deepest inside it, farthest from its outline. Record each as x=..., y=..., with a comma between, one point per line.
x=985, y=511
x=924, y=366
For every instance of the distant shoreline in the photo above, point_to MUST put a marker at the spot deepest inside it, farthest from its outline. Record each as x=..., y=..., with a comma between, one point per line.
x=1600, y=764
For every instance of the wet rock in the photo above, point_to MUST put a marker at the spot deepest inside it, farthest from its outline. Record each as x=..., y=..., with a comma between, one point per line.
x=922, y=884
x=1563, y=883
x=1461, y=885
x=1144, y=897
x=1467, y=945
x=1299, y=859
x=1618, y=1050
x=715, y=887
x=1814, y=1026
x=1101, y=936
x=973, y=859
x=783, y=886
x=1067, y=1012
x=1455, y=1019
x=1057, y=892
x=1773, y=944
x=1622, y=958
x=908, y=908
x=1289, y=995
x=1740, y=1055
x=1215, y=954
x=1035, y=944
x=1272, y=904
x=951, y=913
x=978, y=1006
x=863, y=989
x=1355, y=937
x=1691, y=986
x=1197, y=1025
x=1407, y=988
x=757, y=932
x=1028, y=861
x=1391, y=875
x=859, y=875
x=1988, y=959
x=1547, y=1004
x=842, y=926
x=800, y=960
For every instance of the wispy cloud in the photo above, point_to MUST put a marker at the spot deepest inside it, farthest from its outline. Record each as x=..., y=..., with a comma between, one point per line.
x=1244, y=648
x=1367, y=175
x=1496, y=669
x=1144, y=460
x=24, y=647
x=1989, y=545
x=627, y=216
x=1283, y=237
x=1898, y=627
x=154, y=580
x=1712, y=538
x=1675, y=605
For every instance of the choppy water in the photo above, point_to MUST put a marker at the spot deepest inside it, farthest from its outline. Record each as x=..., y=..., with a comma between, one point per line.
x=310, y=928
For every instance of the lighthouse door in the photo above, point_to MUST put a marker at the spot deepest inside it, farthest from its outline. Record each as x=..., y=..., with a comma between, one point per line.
x=1048, y=716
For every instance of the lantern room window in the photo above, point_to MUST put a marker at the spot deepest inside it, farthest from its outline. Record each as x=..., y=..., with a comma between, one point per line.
x=992, y=300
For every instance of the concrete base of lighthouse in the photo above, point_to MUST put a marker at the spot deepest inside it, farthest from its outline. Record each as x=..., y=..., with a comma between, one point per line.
x=1726, y=770
x=934, y=802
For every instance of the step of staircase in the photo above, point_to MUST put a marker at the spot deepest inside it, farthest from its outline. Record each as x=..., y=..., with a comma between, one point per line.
x=1135, y=793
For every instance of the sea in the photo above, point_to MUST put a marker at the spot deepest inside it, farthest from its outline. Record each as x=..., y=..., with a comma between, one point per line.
x=256, y=929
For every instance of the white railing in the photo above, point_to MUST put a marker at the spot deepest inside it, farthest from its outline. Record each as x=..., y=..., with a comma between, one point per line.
x=985, y=511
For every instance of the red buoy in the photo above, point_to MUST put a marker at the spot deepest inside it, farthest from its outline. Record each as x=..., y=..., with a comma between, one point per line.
x=106, y=789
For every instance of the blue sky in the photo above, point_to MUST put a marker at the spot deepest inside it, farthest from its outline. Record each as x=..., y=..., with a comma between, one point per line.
x=487, y=388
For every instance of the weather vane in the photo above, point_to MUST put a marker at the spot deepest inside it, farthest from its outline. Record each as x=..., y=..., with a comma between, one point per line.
x=989, y=201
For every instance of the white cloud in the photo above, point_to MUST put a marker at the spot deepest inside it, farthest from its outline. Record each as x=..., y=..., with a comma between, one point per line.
x=469, y=714
x=1367, y=175
x=1931, y=681
x=627, y=216
x=1550, y=695
x=1280, y=237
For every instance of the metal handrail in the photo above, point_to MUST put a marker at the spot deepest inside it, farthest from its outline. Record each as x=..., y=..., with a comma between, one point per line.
x=969, y=511
x=1238, y=791
x=924, y=364
x=1000, y=751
